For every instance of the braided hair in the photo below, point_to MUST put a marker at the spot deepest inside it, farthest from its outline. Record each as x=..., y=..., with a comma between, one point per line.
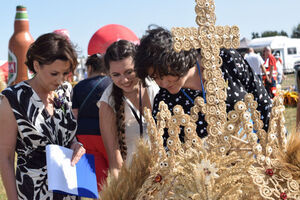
x=115, y=52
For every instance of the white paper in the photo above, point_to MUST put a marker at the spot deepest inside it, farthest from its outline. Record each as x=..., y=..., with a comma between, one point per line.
x=61, y=174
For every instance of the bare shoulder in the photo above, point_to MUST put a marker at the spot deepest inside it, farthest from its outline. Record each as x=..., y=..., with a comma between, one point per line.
x=107, y=116
x=4, y=104
x=105, y=108
x=5, y=108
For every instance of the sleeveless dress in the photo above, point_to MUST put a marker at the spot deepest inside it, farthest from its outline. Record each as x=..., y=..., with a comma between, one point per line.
x=36, y=129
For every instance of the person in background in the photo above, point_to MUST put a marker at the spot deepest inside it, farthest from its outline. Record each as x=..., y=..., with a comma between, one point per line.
x=36, y=113
x=256, y=63
x=179, y=76
x=121, y=106
x=271, y=75
x=279, y=66
x=85, y=96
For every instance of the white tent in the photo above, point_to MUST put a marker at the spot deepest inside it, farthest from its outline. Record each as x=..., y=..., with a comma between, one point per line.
x=244, y=43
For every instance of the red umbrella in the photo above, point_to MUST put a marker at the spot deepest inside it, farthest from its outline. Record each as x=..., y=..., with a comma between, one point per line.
x=108, y=34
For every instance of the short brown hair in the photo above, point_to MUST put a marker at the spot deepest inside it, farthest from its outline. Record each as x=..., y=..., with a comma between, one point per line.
x=50, y=47
x=96, y=61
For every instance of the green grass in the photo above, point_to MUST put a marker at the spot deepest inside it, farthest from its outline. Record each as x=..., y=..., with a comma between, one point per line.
x=2, y=191
x=290, y=120
x=289, y=81
x=290, y=112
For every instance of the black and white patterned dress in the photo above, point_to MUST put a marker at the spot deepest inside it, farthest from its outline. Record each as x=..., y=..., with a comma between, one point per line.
x=36, y=129
x=241, y=80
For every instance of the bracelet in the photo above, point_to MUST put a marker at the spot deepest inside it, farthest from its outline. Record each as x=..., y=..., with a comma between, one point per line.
x=79, y=143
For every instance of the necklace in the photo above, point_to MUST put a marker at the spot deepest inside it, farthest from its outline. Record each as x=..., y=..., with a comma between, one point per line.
x=203, y=90
x=138, y=118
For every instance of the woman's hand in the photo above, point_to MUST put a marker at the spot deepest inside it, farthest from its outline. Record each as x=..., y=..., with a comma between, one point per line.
x=268, y=79
x=78, y=152
x=115, y=172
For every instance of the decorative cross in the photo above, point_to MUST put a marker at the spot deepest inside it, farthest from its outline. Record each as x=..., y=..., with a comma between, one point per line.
x=230, y=162
x=230, y=135
x=209, y=38
x=207, y=35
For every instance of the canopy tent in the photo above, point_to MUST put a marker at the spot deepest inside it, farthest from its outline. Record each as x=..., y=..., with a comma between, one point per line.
x=244, y=43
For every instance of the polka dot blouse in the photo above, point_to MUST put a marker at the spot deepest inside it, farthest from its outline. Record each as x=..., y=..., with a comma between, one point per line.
x=241, y=80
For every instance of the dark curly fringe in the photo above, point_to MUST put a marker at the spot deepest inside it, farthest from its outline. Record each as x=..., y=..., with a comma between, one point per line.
x=119, y=107
x=156, y=52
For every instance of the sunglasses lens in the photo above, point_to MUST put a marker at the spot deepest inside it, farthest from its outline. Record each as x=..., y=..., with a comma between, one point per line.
x=96, y=55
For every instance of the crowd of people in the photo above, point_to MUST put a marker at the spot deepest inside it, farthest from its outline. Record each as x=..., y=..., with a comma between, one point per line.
x=268, y=68
x=102, y=115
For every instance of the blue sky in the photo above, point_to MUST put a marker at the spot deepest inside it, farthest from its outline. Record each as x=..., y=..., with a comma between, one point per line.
x=84, y=18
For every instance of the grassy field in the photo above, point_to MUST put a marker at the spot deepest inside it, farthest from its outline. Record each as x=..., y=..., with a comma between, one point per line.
x=290, y=117
x=290, y=112
x=2, y=191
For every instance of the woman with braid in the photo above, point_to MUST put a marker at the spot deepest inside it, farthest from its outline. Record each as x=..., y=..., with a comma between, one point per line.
x=120, y=106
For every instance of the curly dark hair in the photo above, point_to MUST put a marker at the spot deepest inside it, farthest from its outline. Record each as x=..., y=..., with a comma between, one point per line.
x=156, y=51
x=50, y=47
x=115, y=52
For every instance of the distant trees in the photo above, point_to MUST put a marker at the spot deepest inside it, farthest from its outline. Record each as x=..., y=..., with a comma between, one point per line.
x=283, y=33
x=273, y=33
x=255, y=35
x=296, y=32
x=269, y=34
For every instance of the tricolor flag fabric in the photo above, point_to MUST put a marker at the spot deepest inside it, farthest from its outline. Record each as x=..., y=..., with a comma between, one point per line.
x=79, y=180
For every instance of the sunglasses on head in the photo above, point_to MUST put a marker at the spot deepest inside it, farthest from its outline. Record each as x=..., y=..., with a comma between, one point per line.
x=96, y=55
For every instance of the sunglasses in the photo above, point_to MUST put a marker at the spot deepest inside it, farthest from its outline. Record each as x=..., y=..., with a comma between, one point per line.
x=97, y=55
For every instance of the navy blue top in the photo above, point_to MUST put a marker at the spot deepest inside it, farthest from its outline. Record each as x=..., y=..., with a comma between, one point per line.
x=88, y=116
